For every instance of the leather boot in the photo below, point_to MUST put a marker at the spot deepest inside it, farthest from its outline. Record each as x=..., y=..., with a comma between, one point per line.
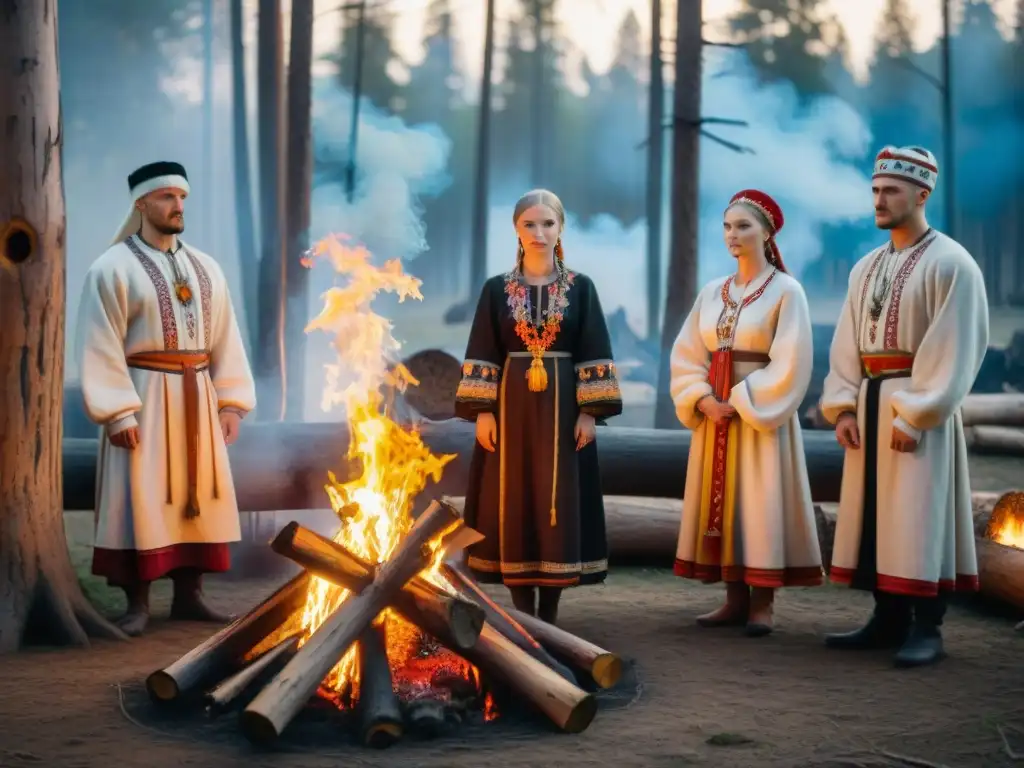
x=187, y=603
x=547, y=609
x=734, y=612
x=887, y=627
x=524, y=599
x=923, y=645
x=760, y=621
x=134, y=621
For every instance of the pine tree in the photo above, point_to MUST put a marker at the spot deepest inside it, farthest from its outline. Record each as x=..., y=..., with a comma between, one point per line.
x=379, y=56
x=788, y=41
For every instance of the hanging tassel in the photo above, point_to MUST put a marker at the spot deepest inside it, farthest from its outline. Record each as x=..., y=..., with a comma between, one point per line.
x=537, y=376
x=192, y=507
x=554, y=517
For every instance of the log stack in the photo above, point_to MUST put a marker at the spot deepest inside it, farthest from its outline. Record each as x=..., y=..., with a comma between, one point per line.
x=265, y=665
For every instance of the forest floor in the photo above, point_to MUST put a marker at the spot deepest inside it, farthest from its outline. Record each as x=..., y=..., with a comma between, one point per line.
x=691, y=696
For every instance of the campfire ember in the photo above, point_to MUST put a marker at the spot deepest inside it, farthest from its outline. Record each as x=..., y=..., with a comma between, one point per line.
x=1006, y=524
x=380, y=621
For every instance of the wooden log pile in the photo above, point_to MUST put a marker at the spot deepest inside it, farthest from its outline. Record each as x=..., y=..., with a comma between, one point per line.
x=265, y=666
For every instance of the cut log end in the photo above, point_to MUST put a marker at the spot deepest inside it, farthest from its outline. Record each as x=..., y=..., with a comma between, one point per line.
x=582, y=715
x=383, y=735
x=466, y=620
x=258, y=728
x=162, y=687
x=606, y=670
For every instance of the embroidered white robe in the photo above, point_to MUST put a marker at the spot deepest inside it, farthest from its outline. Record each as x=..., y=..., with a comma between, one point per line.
x=128, y=307
x=769, y=537
x=936, y=311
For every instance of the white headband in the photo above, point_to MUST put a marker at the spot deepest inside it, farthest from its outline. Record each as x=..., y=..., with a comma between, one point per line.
x=133, y=221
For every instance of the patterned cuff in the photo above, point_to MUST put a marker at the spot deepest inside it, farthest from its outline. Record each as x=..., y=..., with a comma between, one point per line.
x=597, y=386
x=478, y=388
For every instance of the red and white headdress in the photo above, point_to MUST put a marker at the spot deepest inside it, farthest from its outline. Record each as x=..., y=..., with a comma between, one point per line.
x=914, y=164
x=770, y=213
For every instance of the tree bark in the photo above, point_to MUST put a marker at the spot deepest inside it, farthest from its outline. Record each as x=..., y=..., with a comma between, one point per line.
x=1005, y=441
x=681, y=285
x=380, y=715
x=1001, y=572
x=997, y=410
x=601, y=666
x=40, y=597
x=655, y=170
x=248, y=255
x=299, y=180
x=243, y=684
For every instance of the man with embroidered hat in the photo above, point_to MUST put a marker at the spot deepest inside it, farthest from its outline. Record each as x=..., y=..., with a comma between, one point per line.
x=164, y=372
x=908, y=345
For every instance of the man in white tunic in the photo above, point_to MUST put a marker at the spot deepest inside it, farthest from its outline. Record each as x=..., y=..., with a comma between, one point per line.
x=907, y=348
x=165, y=373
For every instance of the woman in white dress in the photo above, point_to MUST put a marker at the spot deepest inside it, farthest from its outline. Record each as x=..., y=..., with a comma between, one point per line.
x=741, y=366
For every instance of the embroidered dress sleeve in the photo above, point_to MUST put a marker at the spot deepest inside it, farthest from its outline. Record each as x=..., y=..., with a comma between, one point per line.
x=951, y=352
x=767, y=398
x=484, y=361
x=846, y=372
x=597, y=385
x=689, y=367
x=229, y=365
x=107, y=387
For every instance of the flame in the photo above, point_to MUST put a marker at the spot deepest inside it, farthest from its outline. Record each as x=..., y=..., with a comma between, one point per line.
x=375, y=508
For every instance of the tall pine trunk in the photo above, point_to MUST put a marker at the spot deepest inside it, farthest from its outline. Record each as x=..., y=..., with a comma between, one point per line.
x=248, y=257
x=681, y=286
x=40, y=590
x=299, y=180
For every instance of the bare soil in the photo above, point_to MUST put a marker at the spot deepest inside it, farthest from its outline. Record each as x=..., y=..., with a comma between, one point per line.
x=693, y=697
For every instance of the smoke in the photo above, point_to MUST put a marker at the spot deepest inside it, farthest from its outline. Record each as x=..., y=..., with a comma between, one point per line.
x=807, y=156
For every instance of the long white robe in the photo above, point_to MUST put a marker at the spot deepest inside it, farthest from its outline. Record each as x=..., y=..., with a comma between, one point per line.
x=128, y=306
x=937, y=311
x=771, y=538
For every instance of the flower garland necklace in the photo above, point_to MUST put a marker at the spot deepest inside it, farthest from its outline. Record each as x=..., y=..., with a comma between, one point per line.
x=538, y=340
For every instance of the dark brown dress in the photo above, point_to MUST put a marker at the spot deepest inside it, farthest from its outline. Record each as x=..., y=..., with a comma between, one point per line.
x=536, y=499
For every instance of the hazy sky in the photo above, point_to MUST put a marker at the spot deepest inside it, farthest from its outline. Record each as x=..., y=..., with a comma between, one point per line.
x=592, y=24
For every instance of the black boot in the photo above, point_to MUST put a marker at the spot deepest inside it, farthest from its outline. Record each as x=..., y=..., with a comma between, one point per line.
x=524, y=599
x=548, y=608
x=887, y=627
x=923, y=645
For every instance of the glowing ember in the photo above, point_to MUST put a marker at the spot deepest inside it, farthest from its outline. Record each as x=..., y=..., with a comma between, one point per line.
x=375, y=508
x=1006, y=525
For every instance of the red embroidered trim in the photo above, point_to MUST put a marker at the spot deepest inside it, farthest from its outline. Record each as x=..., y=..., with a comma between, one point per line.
x=205, y=293
x=163, y=293
x=892, y=317
x=898, y=585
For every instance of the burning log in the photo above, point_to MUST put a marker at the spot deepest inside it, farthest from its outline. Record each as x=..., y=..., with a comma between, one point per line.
x=567, y=705
x=603, y=667
x=380, y=716
x=498, y=618
x=219, y=655
x=997, y=409
x=232, y=690
x=1000, y=558
x=273, y=709
x=453, y=621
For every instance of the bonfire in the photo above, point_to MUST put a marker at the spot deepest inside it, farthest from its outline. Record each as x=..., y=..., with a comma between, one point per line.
x=381, y=621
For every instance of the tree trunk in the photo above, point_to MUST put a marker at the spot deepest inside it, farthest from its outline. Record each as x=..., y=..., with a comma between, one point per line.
x=41, y=597
x=269, y=345
x=681, y=285
x=655, y=166
x=300, y=188
x=248, y=257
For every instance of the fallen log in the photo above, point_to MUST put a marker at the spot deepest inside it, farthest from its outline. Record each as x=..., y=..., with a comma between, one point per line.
x=426, y=718
x=1000, y=569
x=1006, y=441
x=380, y=716
x=997, y=409
x=273, y=709
x=453, y=621
x=231, y=692
x=603, y=667
x=220, y=655
x=281, y=466
x=498, y=618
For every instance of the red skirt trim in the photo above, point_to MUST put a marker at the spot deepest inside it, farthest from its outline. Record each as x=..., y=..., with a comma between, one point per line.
x=897, y=585
x=806, y=576
x=124, y=567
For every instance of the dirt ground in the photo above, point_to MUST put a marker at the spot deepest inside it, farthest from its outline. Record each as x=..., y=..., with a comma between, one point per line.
x=693, y=696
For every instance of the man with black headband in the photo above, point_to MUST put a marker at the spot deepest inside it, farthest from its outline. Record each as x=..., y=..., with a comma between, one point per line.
x=164, y=371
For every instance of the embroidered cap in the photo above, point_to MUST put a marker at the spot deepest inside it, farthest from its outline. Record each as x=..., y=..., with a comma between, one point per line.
x=914, y=164
x=141, y=182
